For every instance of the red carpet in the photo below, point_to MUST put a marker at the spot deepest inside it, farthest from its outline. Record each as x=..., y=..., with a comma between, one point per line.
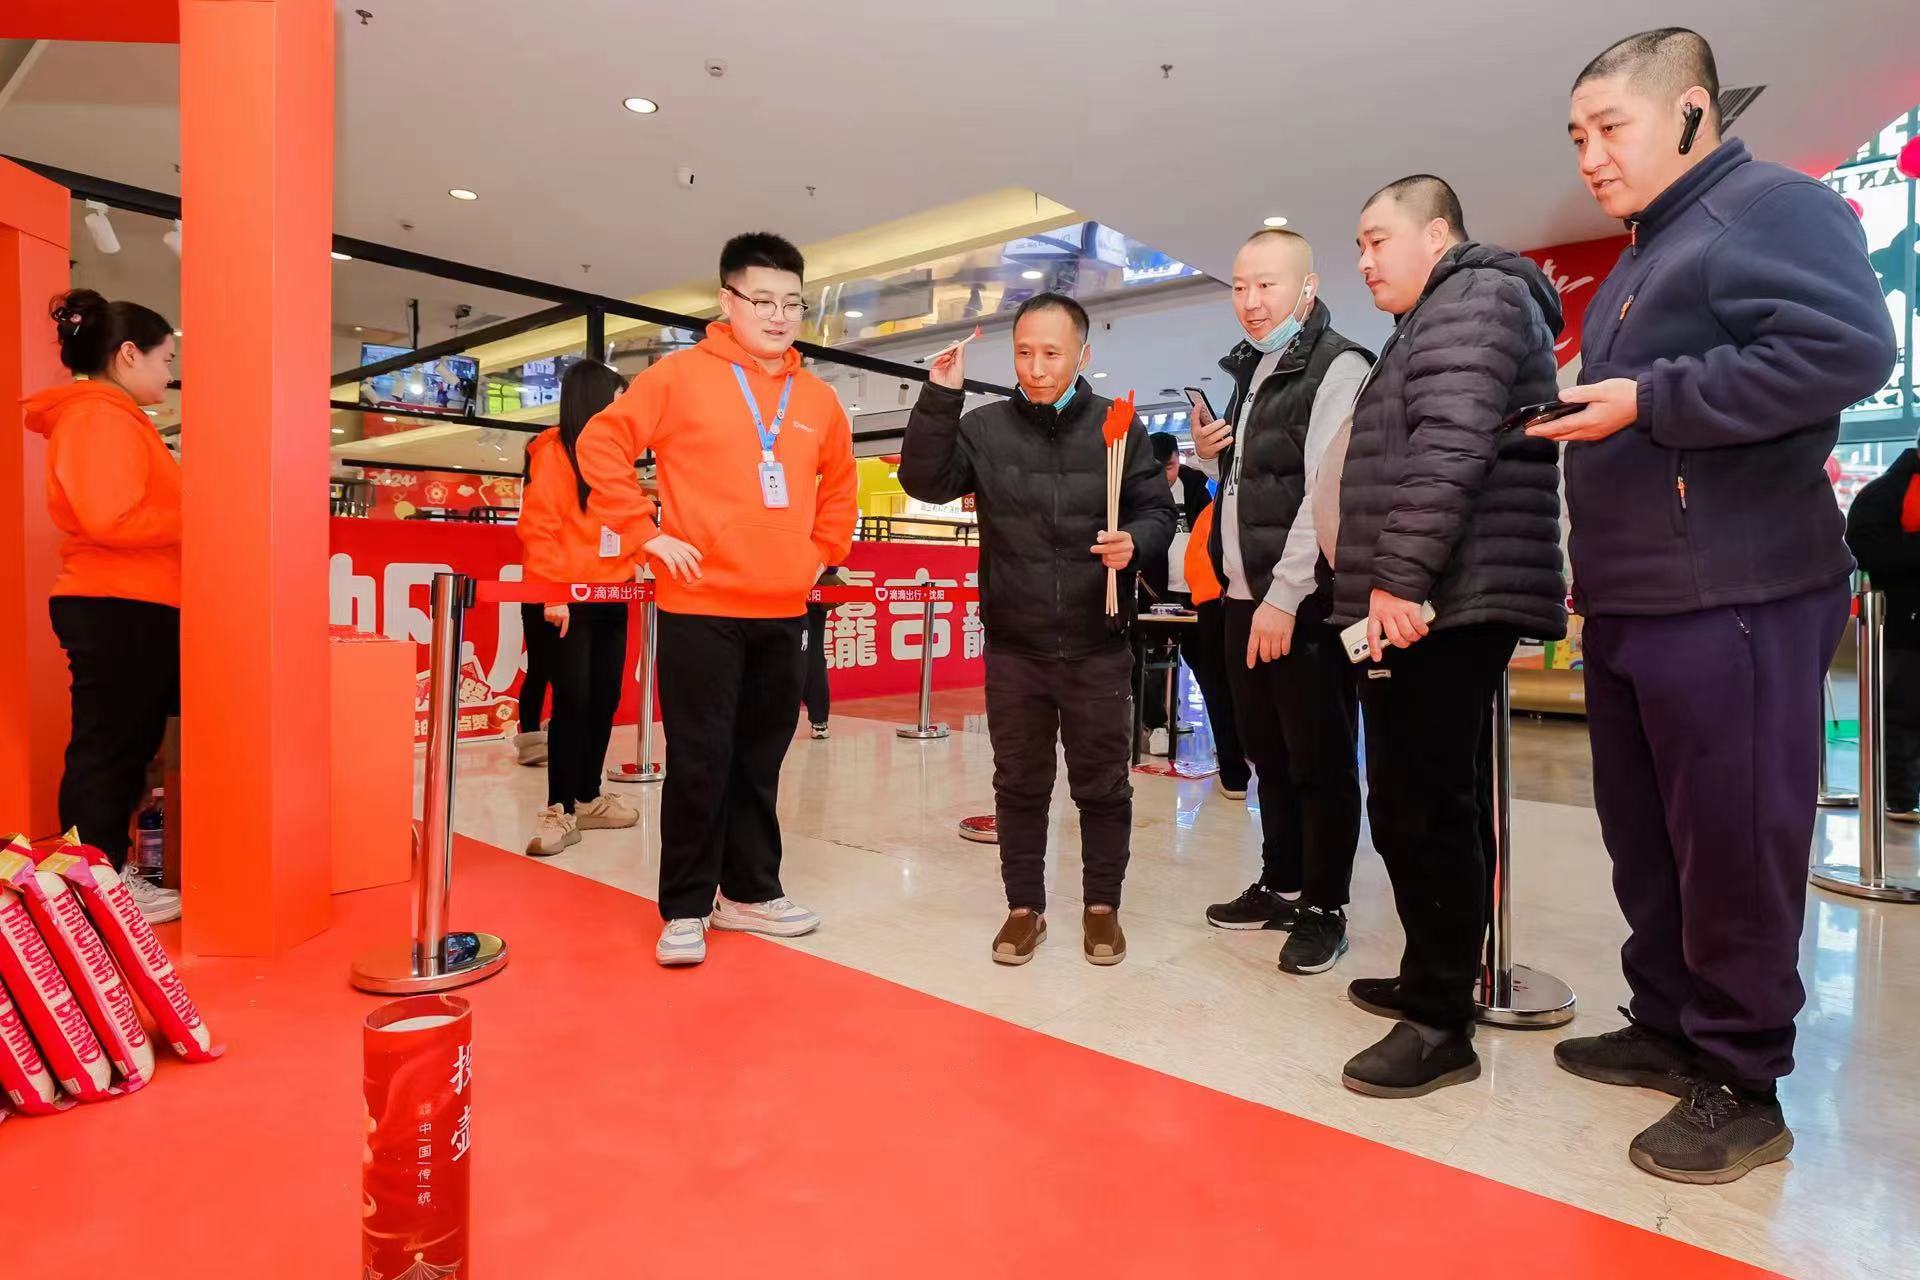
x=771, y=1114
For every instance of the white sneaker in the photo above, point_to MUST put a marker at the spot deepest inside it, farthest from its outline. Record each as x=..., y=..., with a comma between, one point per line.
x=531, y=748
x=781, y=918
x=553, y=831
x=682, y=942
x=604, y=813
x=821, y=733
x=158, y=905
x=1158, y=743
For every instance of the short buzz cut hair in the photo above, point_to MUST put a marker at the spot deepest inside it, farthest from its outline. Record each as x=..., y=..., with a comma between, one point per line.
x=1664, y=62
x=1055, y=302
x=1291, y=238
x=1427, y=198
x=1165, y=446
x=760, y=249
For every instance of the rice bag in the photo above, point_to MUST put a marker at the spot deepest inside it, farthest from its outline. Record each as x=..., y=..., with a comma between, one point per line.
x=49, y=1006
x=24, y=1076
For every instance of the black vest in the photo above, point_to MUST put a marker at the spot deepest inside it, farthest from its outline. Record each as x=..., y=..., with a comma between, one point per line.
x=1273, y=476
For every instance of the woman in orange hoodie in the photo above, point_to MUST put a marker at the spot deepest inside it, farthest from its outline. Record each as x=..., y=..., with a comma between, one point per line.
x=113, y=490
x=562, y=544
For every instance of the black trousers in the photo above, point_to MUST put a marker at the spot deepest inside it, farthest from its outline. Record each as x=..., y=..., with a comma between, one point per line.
x=1706, y=733
x=541, y=636
x=589, y=673
x=819, y=701
x=1204, y=646
x=1298, y=717
x=125, y=660
x=1430, y=803
x=729, y=698
x=1903, y=728
x=1034, y=706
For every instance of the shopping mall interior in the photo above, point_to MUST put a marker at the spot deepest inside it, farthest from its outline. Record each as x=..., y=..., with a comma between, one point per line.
x=384, y=234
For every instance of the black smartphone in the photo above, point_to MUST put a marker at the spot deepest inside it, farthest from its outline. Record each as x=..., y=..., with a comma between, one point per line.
x=1535, y=414
x=1201, y=407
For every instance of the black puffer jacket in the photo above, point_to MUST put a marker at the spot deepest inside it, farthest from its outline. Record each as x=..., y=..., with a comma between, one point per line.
x=1039, y=480
x=1889, y=554
x=1436, y=504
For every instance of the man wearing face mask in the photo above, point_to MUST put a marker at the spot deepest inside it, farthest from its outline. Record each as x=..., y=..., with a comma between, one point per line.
x=1709, y=563
x=1058, y=669
x=1294, y=380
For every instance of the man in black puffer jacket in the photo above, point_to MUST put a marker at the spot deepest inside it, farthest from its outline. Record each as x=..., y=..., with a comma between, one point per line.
x=1438, y=506
x=1058, y=669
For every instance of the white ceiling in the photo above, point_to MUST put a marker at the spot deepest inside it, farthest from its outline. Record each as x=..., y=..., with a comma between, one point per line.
x=886, y=109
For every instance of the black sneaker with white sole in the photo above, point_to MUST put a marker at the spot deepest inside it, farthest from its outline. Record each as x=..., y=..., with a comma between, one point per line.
x=1405, y=1065
x=1634, y=1055
x=1378, y=996
x=1318, y=941
x=1713, y=1135
x=1258, y=908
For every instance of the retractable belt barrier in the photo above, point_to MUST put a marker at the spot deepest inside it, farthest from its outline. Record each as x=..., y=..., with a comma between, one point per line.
x=643, y=592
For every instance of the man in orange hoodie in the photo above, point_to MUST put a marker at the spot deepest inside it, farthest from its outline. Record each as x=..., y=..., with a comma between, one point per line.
x=757, y=496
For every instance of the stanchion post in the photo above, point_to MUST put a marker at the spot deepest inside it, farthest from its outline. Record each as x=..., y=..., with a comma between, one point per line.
x=644, y=769
x=433, y=960
x=1870, y=879
x=1511, y=995
x=925, y=727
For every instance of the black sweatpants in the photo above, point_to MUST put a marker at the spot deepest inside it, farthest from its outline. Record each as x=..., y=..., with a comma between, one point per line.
x=1034, y=706
x=541, y=636
x=1903, y=728
x=589, y=673
x=1706, y=732
x=125, y=660
x=1298, y=717
x=819, y=701
x=1430, y=803
x=729, y=699
x=1204, y=646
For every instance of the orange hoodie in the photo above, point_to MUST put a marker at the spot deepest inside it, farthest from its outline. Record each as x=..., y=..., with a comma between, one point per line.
x=758, y=562
x=113, y=489
x=562, y=541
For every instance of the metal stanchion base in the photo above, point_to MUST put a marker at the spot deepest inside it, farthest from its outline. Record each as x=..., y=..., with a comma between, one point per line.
x=1848, y=880
x=915, y=731
x=634, y=773
x=1539, y=1000
x=1838, y=800
x=981, y=829
x=389, y=970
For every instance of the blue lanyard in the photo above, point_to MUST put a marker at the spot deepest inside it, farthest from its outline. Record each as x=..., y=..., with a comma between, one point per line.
x=768, y=434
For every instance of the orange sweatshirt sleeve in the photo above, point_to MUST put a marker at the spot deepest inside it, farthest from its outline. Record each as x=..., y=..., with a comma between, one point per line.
x=608, y=448
x=837, y=505
x=100, y=462
x=539, y=527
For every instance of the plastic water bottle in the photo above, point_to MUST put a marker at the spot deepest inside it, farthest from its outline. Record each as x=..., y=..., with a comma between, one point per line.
x=151, y=837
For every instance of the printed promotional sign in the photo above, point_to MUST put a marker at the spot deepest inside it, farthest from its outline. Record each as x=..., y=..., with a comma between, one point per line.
x=1576, y=271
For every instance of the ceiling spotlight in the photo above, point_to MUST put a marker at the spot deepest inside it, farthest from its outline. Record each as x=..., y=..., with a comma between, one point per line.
x=172, y=238
x=855, y=315
x=461, y=193
x=342, y=257
x=1276, y=221
x=1031, y=274
x=100, y=229
x=358, y=329
x=640, y=106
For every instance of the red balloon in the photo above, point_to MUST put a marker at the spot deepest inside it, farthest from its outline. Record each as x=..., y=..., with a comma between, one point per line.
x=1859, y=210
x=1908, y=161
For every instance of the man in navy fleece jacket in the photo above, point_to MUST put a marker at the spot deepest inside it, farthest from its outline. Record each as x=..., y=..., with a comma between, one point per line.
x=1710, y=565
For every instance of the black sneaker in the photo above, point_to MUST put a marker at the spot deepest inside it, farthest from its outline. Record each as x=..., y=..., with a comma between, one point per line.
x=1258, y=908
x=1713, y=1135
x=1404, y=1065
x=1633, y=1055
x=1378, y=996
x=1318, y=941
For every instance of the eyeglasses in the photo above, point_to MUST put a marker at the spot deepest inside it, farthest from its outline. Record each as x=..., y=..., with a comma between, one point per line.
x=766, y=308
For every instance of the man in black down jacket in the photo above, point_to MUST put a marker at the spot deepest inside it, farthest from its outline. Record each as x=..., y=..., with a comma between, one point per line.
x=1437, y=505
x=1709, y=565
x=1883, y=532
x=1058, y=669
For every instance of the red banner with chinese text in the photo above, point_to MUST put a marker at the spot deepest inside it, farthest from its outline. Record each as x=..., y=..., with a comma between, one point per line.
x=1576, y=271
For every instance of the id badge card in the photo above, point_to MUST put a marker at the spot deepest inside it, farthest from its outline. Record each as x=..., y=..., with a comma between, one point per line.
x=773, y=484
x=609, y=544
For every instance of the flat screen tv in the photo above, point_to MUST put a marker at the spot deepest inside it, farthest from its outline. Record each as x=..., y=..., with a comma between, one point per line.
x=446, y=385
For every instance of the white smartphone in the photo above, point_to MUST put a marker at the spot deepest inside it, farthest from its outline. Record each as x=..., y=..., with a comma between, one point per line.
x=1354, y=638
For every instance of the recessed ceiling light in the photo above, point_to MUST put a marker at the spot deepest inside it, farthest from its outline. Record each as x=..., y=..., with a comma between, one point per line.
x=461, y=193
x=1099, y=375
x=1031, y=274
x=339, y=431
x=178, y=334
x=855, y=315
x=853, y=408
x=342, y=257
x=640, y=106
x=1276, y=221
x=389, y=419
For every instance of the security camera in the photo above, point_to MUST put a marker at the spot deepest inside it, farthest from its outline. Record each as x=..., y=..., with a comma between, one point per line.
x=683, y=176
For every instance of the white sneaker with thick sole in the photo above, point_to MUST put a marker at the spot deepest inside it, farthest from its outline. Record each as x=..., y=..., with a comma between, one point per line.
x=682, y=942
x=781, y=918
x=604, y=813
x=158, y=905
x=530, y=748
x=821, y=733
x=553, y=831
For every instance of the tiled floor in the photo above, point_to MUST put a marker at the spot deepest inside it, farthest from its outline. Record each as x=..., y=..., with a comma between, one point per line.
x=870, y=829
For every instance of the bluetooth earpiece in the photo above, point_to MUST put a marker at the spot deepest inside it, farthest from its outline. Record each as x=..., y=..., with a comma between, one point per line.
x=1694, y=115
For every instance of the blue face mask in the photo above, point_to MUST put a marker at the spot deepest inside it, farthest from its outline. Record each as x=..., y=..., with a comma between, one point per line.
x=1061, y=403
x=1286, y=331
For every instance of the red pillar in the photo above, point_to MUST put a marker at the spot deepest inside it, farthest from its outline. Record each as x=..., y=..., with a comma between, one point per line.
x=33, y=671
x=256, y=148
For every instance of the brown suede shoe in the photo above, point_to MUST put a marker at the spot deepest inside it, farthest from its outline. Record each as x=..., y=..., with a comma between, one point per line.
x=1019, y=937
x=1106, y=943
